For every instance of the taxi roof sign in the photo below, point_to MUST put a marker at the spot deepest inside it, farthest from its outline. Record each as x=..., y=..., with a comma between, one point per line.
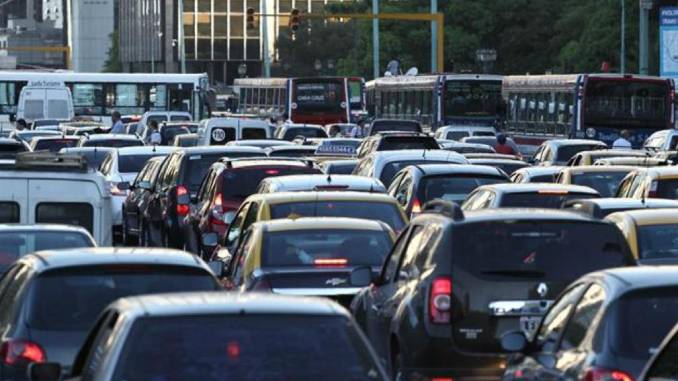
x=335, y=150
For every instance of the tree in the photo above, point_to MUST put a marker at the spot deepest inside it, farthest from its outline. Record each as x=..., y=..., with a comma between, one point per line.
x=113, y=63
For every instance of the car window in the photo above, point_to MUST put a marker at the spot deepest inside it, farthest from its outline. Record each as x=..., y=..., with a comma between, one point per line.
x=664, y=367
x=99, y=346
x=68, y=213
x=8, y=278
x=584, y=318
x=410, y=268
x=624, y=186
x=387, y=212
x=17, y=243
x=402, y=193
x=555, y=319
x=395, y=183
x=452, y=187
x=240, y=256
x=9, y=302
x=393, y=260
x=234, y=230
x=9, y=212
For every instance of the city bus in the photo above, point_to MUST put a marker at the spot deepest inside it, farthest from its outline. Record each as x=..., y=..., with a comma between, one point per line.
x=437, y=100
x=313, y=100
x=97, y=95
x=591, y=106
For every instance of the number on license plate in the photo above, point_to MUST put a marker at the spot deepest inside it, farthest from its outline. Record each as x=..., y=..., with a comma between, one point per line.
x=529, y=324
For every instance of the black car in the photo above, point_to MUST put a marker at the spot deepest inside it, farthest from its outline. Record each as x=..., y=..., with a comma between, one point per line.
x=137, y=200
x=10, y=147
x=177, y=187
x=456, y=282
x=381, y=125
x=605, y=326
x=391, y=141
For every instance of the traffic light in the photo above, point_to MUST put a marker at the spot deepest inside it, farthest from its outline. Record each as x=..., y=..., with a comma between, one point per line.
x=250, y=19
x=294, y=20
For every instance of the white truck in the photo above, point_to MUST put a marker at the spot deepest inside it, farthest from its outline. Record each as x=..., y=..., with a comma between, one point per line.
x=41, y=99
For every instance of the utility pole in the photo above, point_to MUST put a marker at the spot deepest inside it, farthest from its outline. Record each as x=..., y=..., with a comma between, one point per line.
x=645, y=7
x=434, y=38
x=263, y=21
x=180, y=36
x=622, y=53
x=375, y=39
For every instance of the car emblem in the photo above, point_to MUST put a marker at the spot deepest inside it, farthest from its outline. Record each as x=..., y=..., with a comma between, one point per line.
x=542, y=290
x=335, y=282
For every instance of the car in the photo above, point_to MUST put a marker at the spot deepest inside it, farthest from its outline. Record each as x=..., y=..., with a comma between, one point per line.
x=342, y=129
x=416, y=185
x=383, y=165
x=9, y=147
x=227, y=183
x=264, y=207
x=590, y=157
x=291, y=131
x=308, y=256
x=167, y=131
x=459, y=132
x=663, y=140
x=165, y=116
x=261, y=143
x=658, y=182
x=601, y=178
x=220, y=131
x=391, y=141
x=382, y=125
x=320, y=182
x=290, y=151
x=526, y=195
x=662, y=364
x=594, y=325
x=463, y=148
x=650, y=233
x=634, y=161
x=52, y=298
x=187, y=140
x=535, y=174
x=225, y=336
x=17, y=240
x=110, y=140
x=338, y=167
x=507, y=165
x=28, y=135
x=119, y=168
x=492, y=142
x=601, y=207
x=53, y=143
x=176, y=189
x=455, y=282
x=560, y=151
x=93, y=155
x=138, y=198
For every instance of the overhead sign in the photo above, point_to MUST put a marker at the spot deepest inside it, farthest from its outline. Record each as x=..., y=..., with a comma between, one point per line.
x=668, y=42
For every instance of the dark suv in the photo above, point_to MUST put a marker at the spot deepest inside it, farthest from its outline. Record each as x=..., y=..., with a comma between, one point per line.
x=226, y=185
x=175, y=190
x=455, y=282
x=390, y=141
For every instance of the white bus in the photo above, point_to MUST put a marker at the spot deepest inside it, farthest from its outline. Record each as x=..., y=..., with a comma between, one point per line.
x=97, y=95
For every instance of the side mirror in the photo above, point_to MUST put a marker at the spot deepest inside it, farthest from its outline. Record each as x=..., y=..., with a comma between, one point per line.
x=124, y=186
x=217, y=267
x=514, y=341
x=210, y=239
x=361, y=276
x=48, y=371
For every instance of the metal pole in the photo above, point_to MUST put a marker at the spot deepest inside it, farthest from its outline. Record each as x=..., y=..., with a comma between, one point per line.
x=264, y=37
x=622, y=54
x=434, y=39
x=180, y=37
x=645, y=6
x=152, y=18
x=375, y=39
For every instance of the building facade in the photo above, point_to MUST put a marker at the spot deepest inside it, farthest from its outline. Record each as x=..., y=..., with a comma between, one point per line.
x=90, y=24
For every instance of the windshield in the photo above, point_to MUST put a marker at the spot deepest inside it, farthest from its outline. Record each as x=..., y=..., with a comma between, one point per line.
x=168, y=133
x=293, y=132
x=245, y=347
x=54, y=145
x=565, y=153
x=658, y=305
x=394, y=125
x=315, y=247
x=388, y=213
x=552, y=250
x=114, y=143
x=243, y=182
x=658, y=241
x=606, y=183
x=392, y=168
x=469, y=98
x=319, y=96
x=452, y=188
x=71, y=299
x=667, y=189
x=624, y=103
x=548, y=200
x=15, y=244
x=408, y=142
x=10, y=150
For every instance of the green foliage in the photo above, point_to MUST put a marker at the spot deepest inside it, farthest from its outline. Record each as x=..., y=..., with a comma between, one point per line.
x=113, y=63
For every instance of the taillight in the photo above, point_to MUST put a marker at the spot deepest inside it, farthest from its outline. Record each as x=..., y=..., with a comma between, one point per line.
x=440, y=300
x=182, y=207
x=21, y=352
x=416, y=206
x=653, y=189
x=600, y=374
x=330, y=262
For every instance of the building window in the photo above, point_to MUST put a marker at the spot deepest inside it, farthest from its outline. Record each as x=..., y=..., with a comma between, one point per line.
x=220, y=26
x=204, y=25
x=237, y=26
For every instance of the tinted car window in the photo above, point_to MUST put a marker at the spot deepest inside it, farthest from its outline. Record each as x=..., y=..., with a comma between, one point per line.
x=133, y=163
x=409, y=142
x=565, y=153
x=168, y=133
x=254, y=347
x=657, y=305
x=542, y=179
x=72, y=298
x=665, y=366
x=395, y=125
x=54, y=145
x=556, y=251
x=68, y=213
x=253, y=133
x=452, y=188
x=180, y=118
x=10, y=150
x=392, y=168
x=605, y=183
x=537, y=200
x=667, y=189
x=93, y=158
x=508, y=167
x=292, y=133
x=381, y=211
x=14, y=244
x=658, y=241
x=115, y=143
x=292, y=153
x=331, y=247
x=457, y=135
x=340, y=168
x=244, y=182
x=197, y=166
x=9, y=212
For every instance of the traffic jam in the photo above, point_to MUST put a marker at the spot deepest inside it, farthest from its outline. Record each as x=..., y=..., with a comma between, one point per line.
x=427, y=227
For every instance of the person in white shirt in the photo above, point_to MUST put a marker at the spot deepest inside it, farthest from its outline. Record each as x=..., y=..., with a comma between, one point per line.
x=153, y=136
x=622, y=142
x=359, y=130
x=118, y=127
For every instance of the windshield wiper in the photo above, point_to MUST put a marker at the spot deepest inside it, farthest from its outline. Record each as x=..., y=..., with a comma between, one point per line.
x=517, y=273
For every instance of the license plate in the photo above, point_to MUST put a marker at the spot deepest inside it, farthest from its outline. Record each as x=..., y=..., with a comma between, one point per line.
x=529, y=324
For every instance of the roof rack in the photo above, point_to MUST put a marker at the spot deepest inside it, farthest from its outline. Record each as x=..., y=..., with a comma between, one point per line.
x=45, y=160
x=446, y=208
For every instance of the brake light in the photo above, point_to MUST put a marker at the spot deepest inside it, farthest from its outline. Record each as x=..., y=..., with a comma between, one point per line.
x=653, y=189
x=442, y=379
x=600, y=374
x=272, y=172
x=21, y=352
x=552, y=192
x=416, y=206
x=332, y=262
x=440, y=300
x=182, y=209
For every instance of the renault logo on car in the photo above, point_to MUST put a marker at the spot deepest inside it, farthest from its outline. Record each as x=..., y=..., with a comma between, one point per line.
x=542, y=290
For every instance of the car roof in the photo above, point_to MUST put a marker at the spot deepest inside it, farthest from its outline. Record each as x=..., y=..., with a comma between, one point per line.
x=527, y=214
x=536, y=187
x=288, y=197
x=43, y=227
x=598, y=168
x=146, y=150
x=614, y=153
x=660, y=172
x=637, y=277
x=644, y=217
x=51, y=259
x=218, y=149
x=409, y=154
x=445, y=169
x=321, y=179
x=220, y=302
x=264, y=161
x=574, y=142
x=540, y=170
x=311, y=223
x=615, y=203
x=111, y=137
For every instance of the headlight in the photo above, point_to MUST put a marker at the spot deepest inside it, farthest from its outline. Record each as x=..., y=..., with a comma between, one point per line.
x=591, y=132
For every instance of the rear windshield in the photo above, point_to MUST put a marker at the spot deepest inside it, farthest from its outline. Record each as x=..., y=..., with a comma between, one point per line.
x=292, y=153
x=316, y=247
x=67, y=213
x=292, y=133
x=114, y=143
x=199, y=164
x=392, y=168
x=242, y=183
x=565, y=153
x=395, y=125
x=667, y=189
x=133, y=163
x=542, y=179
x=222, y=135
x=15, y=244
x=638, y=341
x=253, y=133
x=409, y=142
x=247, y=347
x=180, y=118
x=664, y=367
x=550, y=250
x=452, y=188
x=54, y=145
x=457, y=135
x=93, y=158
x=605, y=183
x=170, y=132
x=71, y=299
x=381, y=211
x=658, y=241
x=9, y=151
x=540, y=200
x=340, y=169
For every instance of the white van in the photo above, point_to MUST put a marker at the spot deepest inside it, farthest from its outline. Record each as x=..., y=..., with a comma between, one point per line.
x=45, y=100
x=39, y=188
x=219, y=131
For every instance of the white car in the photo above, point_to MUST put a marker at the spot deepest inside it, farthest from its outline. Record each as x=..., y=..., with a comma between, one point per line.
x=310, y=183
x=459, y=132
x=664, y=140
x=220, y=131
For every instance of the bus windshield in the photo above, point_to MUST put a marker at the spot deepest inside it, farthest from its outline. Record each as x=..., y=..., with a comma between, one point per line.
x=623, y=103
x=472, y=98
x=319, y=96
